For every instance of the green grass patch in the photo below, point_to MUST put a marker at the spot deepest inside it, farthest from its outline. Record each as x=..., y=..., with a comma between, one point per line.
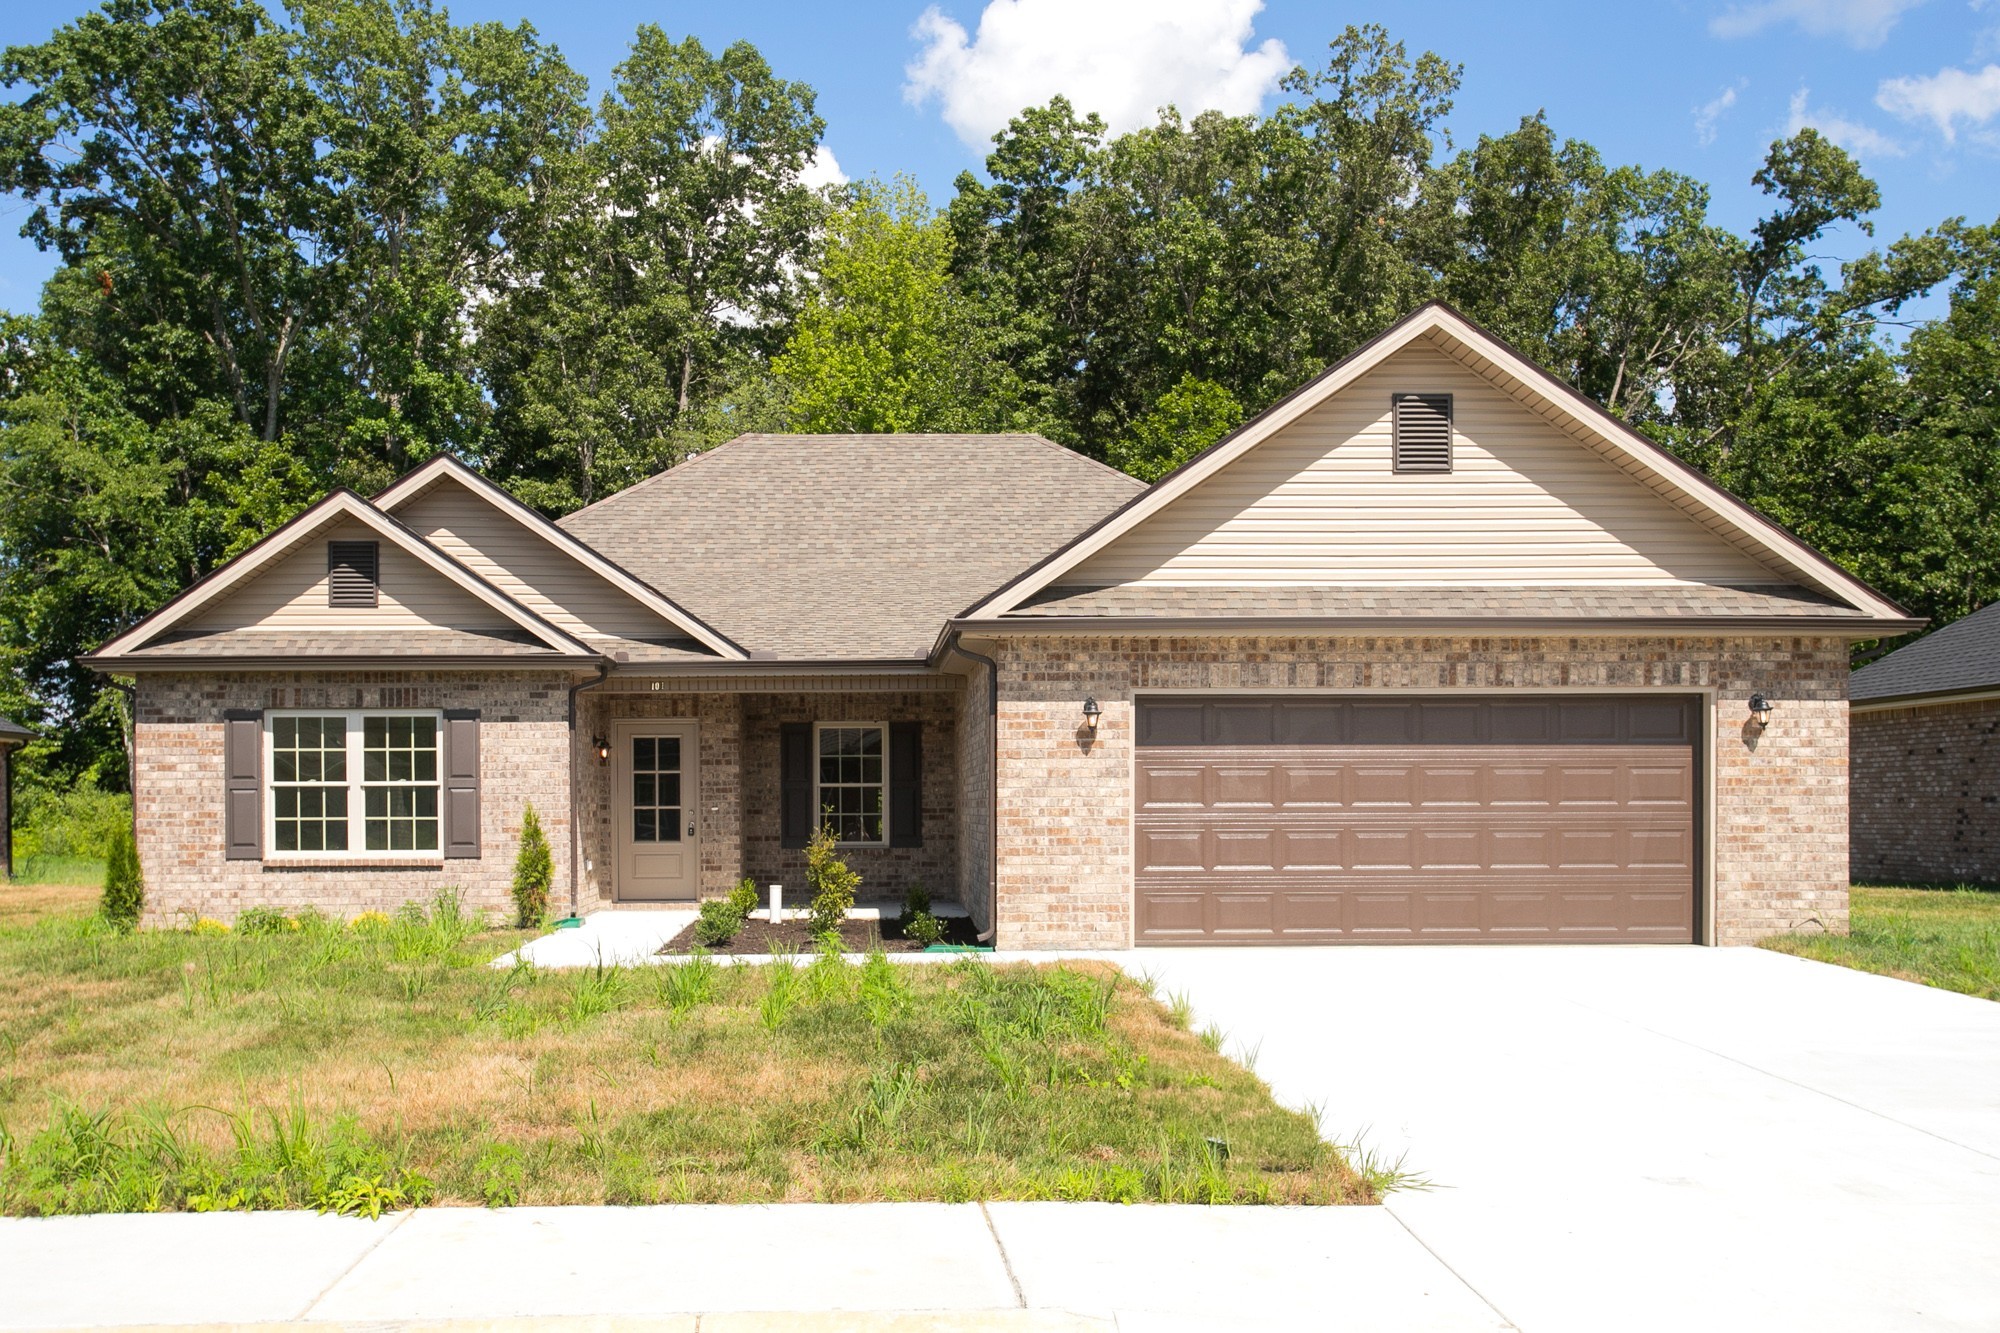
x=323, y=1066
x=1943, y=936
x=44, y=868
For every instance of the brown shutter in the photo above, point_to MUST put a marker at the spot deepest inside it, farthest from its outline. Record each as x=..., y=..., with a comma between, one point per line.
x=1423, y=432
x=461, y=783
x=906, y=784
x=795, y=762
x=243, y=784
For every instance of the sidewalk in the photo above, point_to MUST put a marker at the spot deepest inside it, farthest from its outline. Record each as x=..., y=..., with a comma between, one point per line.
x=1030, y=1267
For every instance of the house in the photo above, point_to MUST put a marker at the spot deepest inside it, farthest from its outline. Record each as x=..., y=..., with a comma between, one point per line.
x=1432, y=650
x=1924, y=799
x=12, y=737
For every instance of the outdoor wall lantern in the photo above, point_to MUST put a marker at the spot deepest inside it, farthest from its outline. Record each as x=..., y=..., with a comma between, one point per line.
x=1091, y=712
x=1760, y=711
x=603, y=748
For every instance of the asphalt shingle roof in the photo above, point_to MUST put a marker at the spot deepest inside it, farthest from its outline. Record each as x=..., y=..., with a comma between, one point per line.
x=1964, y=655
x=323, y=644
x=1419, y=603
x=849, y=547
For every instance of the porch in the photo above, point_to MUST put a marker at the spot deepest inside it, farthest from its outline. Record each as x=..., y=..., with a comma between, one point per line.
x=686, y=785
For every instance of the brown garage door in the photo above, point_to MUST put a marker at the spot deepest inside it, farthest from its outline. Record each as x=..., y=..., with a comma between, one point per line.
x=1309, y=820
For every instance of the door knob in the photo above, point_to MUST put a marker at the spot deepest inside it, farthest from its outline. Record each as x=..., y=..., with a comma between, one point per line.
x=690, y=828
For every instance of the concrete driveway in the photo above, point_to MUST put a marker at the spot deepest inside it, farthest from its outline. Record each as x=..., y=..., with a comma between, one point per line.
x=1649, y=1138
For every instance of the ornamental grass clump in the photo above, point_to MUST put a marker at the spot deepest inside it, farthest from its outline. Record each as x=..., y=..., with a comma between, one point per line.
x=534, y=872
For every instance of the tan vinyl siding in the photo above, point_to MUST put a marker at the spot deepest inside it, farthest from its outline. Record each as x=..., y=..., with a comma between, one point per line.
x=527, y=567
x=291, y=594
x=1320, y=503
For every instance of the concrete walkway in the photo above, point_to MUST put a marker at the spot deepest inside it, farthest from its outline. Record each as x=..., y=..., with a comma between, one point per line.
x=877, y=1266
x=1649, y=1138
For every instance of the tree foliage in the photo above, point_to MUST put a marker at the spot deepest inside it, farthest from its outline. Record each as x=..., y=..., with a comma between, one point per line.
x=313, y=248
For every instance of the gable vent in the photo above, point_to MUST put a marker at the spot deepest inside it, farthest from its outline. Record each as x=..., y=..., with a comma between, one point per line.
x=352, y=573
x=1423, y=432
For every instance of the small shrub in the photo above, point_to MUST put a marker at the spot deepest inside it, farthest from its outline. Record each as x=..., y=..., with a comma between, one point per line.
x=534, y=872
x=124, y=888
x=744, y=897
x=831, y=880
x=923, y=928
x=264, y=921
x=208, y=925
x=502, y=1172
x=718, y=923
x=370, y=923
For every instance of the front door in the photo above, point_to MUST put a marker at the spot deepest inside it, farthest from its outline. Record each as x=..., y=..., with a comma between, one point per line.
x=653, y=792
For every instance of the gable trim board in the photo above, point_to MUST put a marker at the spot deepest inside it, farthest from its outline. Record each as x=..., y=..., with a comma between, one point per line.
x=1486, y=356
x=443, y=468
x=340, y=504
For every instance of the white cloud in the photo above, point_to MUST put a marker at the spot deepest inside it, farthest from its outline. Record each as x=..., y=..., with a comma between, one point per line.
x=1861, y=22
x=1711, y=112
x=824, y=169
x=1123, y=59
x=1944, y=98
x=1852, y=135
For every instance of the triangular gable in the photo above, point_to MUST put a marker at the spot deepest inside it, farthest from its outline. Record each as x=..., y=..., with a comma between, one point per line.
x=583, y=574
x=1754, y=541
x=341, y=508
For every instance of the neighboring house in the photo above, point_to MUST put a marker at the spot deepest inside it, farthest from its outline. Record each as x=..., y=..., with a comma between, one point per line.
x=12, y=737
x=1924, y=798
x=1432, y=650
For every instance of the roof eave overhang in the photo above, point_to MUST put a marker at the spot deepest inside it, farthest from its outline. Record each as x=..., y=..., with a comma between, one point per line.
x=1926, y=699
x=133, y=666
x=838, y=666
x=1850, y=627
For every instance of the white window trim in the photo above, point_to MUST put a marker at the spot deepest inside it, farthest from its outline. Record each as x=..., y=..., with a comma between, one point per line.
x=819, y=806
x=357, y=804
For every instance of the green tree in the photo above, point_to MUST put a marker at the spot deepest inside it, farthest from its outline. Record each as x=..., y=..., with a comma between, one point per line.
x=534, y=872
x=124, y=887
x=1188, y=418
x=635, y=324
x=886, y=342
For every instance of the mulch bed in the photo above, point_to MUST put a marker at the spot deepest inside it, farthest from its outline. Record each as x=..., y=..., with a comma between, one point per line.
x=758, y=937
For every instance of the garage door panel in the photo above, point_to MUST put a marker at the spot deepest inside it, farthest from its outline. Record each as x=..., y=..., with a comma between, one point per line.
x=1166, y=786
x=1252, y=785
x=1416, y=820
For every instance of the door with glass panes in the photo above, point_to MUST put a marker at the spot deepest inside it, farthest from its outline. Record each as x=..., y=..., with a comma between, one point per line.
x=653, y=793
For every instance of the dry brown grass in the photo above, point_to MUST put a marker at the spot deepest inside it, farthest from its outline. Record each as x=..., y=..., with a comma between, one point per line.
x=884, y=1082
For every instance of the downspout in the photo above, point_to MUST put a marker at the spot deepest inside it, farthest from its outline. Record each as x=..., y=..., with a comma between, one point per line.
x=993, y=784
x=575, y=828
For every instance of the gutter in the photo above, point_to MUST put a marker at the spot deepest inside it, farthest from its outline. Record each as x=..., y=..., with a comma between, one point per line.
x=1851, y=627
x=993, y=781
x=576, y=829
x=310, y=662
x=1933, y=699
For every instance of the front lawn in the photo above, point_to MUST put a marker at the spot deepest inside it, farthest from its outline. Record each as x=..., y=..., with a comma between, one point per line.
x=1944, y=937
x=362, y=1070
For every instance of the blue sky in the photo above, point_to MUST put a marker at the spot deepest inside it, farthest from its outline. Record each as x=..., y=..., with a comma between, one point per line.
x=1912, y=87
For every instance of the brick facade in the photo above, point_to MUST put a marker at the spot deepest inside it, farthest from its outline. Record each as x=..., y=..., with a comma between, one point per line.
x=178, y=787
x=1064, y=838
x=1925, y=801
x=740, y=787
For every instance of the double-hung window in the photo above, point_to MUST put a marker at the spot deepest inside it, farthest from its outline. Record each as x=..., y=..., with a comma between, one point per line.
x=360, y=784
x=852, y=780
